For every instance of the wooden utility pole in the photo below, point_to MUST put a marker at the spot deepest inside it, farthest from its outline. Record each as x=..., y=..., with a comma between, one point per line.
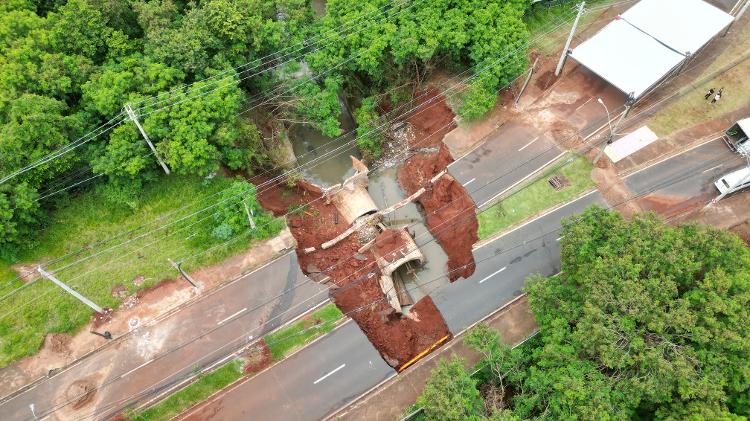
x=564, y=54
x=69, y=290
x=134, y=117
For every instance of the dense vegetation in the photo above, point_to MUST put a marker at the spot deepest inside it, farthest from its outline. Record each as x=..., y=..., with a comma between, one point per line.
x=645, y=321
x=67, y=68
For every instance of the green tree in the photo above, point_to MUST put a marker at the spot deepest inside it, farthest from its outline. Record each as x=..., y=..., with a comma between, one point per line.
x=645, y=319
x=451, y=394
x=369, y=137
x=230, y=216
x=37, y=126
x=19, y=211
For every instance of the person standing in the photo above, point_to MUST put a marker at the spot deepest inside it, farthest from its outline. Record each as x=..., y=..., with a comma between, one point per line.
x=717, y=97
x=709, y=93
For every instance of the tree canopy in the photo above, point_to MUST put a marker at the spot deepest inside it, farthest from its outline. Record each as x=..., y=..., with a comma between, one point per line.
x=645, y=321
x=209, y=78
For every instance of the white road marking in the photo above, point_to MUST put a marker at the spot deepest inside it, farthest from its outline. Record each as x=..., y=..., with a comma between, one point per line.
x=329, y=373
x=224, y=320
x=488, y=277
x=713, y=168
x=528, y=144
x=140, y=366
x=469, y=182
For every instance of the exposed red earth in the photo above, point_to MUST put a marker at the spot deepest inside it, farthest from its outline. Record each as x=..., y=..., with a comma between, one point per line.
x=449, y=210
x=353, y=276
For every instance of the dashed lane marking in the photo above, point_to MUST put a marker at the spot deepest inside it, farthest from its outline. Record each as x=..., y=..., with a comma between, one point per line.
x=329, y=373
x=490, y=276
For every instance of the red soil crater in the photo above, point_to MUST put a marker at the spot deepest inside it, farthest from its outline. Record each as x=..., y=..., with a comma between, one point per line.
x=353, y=276
x=449, y=210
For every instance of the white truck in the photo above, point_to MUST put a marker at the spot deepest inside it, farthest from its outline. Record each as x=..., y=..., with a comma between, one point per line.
x=736, y=137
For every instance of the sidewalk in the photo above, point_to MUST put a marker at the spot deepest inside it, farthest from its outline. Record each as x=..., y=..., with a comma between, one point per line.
x=388, y=402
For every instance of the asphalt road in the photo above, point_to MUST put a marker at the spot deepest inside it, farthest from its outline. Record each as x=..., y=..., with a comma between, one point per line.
x=308, y=385
x=298, y=389
x=504, y=264
x=510, y=154
x=218, y=324
x=690, y=174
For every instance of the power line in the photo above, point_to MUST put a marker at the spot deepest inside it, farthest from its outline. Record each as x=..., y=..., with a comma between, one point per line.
x=505, y=251
x=477, y=74
x=99, y=130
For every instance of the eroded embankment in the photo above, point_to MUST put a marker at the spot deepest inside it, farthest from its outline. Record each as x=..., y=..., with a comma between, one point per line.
x=449, y=210
x=353, y=276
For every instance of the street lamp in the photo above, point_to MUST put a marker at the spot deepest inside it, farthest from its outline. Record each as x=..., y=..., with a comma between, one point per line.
x=609, y=120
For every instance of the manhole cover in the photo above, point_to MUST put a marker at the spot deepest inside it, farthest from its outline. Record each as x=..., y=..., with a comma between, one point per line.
x=558, y=182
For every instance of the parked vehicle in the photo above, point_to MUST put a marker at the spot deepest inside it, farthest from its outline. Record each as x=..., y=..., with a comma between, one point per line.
x=736, y=137
x=734, y=181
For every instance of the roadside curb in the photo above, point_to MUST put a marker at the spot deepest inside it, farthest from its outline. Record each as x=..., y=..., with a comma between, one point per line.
x=496, y=198
x=666, y=157
x=531, y=219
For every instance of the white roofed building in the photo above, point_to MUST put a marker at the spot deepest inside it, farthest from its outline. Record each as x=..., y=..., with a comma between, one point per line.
x=649, y=41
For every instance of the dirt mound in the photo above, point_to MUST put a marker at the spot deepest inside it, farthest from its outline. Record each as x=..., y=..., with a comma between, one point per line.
x=58, y=342
x=81, y=392
x=278, y=197
x=258, y=357
x=450, y=212
x=119, y=291
x=392, y=245
x=431, y=120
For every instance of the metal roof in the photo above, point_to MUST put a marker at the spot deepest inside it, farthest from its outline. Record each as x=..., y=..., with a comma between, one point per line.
x=641, y=46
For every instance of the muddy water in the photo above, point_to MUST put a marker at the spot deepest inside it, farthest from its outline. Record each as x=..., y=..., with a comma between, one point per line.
x=420, y=281
x=324, y=161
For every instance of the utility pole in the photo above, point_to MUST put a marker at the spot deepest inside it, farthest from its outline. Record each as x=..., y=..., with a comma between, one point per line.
x=736, y=17
x=564, y=54
x=526, y=82
x=69, y=290
x=612, y=129
x=249, y=215
x=134, y=117
x=184, y=274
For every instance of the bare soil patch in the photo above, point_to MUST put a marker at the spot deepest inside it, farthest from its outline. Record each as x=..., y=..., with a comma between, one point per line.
x=81, y=392
x=257, y=357
x=354, y=276
x=450, y=212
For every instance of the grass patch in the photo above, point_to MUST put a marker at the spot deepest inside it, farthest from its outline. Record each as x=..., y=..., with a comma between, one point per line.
x=692, y=109
x=205, y=386
x=535, y=198
x=78, y=226
x=296, y=335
